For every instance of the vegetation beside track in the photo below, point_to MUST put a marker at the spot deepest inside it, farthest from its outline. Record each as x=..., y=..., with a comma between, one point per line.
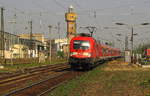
x=108, y=80
x=16, y=67
x=75, y=86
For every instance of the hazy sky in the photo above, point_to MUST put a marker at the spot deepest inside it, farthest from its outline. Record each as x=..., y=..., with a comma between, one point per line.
x=99, y=13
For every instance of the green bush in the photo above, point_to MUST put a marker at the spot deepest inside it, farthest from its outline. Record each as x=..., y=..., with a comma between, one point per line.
x=60, y=54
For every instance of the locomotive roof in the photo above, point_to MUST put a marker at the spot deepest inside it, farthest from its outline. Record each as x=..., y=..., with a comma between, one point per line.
x=109, y=47
x=84, y=37
x=78, y=37
x=84, y=34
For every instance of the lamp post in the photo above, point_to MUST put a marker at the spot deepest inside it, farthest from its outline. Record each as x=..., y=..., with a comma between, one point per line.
x=132, y=35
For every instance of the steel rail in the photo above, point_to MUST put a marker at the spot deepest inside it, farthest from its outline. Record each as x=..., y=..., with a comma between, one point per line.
x=15, y=80
x=27, y=75
x=49, y=90
x=29, y=70
x=34, y=84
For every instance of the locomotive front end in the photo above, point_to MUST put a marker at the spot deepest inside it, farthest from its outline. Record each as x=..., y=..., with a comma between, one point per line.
x=80, y=53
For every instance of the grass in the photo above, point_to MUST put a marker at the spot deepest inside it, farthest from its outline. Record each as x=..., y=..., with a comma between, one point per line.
x=75, y=85
x=100, y=82
x=107, y=83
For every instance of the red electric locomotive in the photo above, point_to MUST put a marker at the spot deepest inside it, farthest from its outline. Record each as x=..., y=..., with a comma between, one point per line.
x=147, y=52
x=86, y=52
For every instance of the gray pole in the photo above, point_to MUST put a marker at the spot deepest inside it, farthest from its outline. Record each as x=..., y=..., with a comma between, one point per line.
x=50, y=47
x=132, y=44
x=30, y=30
x=126, y=43
x=2, y=33
x=31, y=35
x=59, y=34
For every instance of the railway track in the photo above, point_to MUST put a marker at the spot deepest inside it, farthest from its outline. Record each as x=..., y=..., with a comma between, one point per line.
x=15, y=82
x=37, y=81
x=43, y=87
x=29, y=70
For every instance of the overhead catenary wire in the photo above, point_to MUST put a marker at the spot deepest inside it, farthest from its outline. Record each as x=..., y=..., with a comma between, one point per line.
x=77, y=4
x=58, y=3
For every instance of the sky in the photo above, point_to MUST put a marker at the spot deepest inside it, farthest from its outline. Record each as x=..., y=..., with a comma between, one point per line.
x=103, y=14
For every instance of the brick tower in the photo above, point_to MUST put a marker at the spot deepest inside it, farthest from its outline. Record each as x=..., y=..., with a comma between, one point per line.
x=71, y=17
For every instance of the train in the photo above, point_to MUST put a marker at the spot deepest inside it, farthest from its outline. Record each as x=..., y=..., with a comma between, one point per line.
x=147, y=52
x=146, y=55
x=86, y=52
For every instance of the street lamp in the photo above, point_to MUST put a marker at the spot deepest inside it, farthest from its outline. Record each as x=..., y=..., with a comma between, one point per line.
x=118, y=34
x=132, y=34
x=145, y=24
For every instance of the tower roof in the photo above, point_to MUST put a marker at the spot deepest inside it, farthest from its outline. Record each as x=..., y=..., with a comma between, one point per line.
x=71, y=7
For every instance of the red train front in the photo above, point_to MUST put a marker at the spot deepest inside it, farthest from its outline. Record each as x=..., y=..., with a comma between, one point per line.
x=86, y=52
x=82, y=52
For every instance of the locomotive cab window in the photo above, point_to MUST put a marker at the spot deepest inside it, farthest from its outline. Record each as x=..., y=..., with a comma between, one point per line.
x=81, y=44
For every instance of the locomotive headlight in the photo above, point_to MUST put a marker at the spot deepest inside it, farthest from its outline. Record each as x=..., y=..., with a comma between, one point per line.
x=87, y=54
x=73, y=53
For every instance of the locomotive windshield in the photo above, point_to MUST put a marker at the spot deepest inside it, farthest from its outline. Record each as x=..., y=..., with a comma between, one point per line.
x=80, y=44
